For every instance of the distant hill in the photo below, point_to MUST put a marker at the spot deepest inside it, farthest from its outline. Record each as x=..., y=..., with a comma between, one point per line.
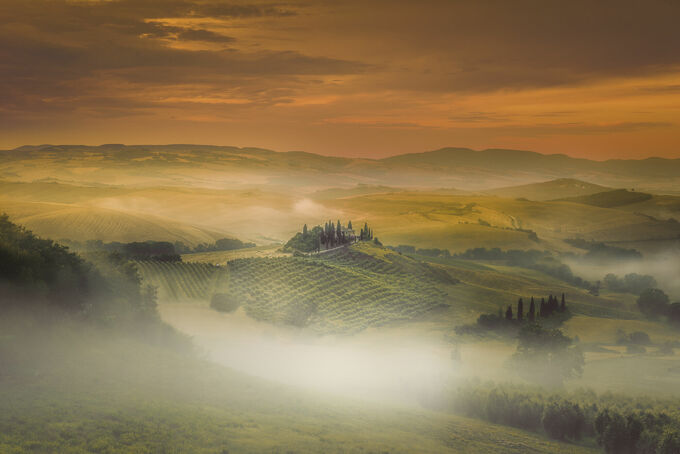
x=658, y=206
x=549, y=190
x=611, y=199
x=230, y=167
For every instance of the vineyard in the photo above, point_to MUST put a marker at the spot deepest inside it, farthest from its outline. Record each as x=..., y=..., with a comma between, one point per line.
x=340, y=292
x=177, y=281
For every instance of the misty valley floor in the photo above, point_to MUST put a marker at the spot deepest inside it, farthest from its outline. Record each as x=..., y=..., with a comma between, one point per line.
x=98, y=393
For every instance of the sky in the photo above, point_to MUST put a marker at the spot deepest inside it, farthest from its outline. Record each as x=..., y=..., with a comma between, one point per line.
x=593, y=79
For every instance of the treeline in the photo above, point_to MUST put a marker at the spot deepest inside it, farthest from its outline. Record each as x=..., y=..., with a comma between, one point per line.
x=513, y=319
x=601, y=251
x=327, y=237
x=155, y=250
x=619, y=424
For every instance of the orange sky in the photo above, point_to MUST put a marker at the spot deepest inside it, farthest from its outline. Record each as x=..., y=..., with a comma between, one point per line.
x=352, y=78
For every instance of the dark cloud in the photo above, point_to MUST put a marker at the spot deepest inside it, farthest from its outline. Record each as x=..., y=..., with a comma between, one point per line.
x=197, y=34
x=62, y=53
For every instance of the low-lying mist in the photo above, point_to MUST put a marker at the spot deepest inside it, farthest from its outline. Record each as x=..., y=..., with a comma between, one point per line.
x=663, y=266
x=390, y=365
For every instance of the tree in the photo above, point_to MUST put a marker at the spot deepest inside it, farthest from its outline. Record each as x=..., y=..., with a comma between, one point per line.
x=304, y=230
x=520, y=310
x=349, y=225
x=546, y=356
x=532, y=310
x=674, y=313
x=563, y=305
x=670, y=441
x=508, y=313
x=563, y=419
x=653, y=302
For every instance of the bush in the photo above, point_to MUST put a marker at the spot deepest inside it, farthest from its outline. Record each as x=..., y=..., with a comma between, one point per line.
x=224, y=303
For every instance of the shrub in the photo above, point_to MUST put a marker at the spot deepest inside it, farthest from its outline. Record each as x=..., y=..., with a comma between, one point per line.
x=224, y=303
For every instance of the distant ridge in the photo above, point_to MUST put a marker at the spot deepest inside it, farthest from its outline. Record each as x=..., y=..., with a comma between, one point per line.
x=461, y=168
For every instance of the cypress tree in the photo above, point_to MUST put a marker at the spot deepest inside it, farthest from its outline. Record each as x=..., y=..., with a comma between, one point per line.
x=563, y=306
x=304, y=230
x=532, y=310
x=349, y=225
x=541, y=311
x=520, y=310
x=508, y=313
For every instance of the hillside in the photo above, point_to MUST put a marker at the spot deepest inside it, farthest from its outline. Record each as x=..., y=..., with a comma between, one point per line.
x=64, y=221
x=549, y=190
x=206, y=166
x=611, y=199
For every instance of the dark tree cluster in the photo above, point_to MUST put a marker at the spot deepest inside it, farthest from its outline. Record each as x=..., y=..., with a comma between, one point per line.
x=654, y=304
x=327, y=237
x=37, y=273
x=546, y=309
